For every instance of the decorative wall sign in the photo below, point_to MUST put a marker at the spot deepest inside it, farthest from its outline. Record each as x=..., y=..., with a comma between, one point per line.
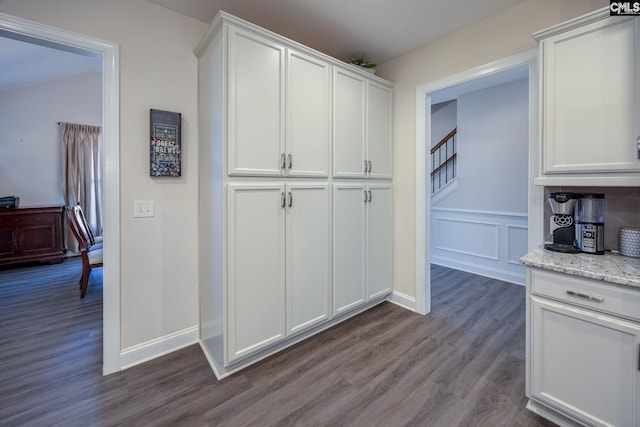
x=166, y=150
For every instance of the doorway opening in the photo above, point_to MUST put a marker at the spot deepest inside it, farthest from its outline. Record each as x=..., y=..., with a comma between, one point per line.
x=501, y=72
x=44, y=35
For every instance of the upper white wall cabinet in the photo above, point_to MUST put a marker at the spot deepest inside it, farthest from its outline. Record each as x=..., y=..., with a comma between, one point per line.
x=308, y=115
x=279, y=117
x=590, y=115
x=361, y=127
x=256, y=104
x=378, y=131
x=349, y=99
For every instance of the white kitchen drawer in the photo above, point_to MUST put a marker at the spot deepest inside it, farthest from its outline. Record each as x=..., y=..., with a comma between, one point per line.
x=606, y=297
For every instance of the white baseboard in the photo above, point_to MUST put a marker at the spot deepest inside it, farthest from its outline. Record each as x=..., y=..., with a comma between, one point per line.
x=158, y=347
x=551, y=415
x=402, y=300
x=481, y=270
x=213, y=365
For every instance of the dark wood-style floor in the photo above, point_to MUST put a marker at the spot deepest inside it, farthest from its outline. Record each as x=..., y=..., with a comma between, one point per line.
x=462, y=365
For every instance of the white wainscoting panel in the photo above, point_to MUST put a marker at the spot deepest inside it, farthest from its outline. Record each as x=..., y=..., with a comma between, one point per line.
x=485, y=243
x=463, y=236
x=516, y=243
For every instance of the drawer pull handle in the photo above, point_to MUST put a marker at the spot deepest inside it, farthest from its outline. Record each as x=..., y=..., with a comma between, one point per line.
x=585, y=296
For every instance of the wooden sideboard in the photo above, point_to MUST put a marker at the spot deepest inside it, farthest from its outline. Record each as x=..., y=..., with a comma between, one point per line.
x=31, y=234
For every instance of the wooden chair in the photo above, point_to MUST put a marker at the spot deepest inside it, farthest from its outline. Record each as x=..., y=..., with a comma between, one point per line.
x=93, y=240
x=91, y=255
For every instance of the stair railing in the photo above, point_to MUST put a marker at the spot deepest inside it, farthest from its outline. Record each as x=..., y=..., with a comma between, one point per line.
x=443, y=162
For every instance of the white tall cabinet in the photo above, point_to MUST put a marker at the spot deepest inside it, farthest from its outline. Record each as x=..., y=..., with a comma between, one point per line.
x=349, y=255
x=308, y=250
x=362, y=243
x=256, y=255
x=278, y=262
x=273, y=125
x=379, y=236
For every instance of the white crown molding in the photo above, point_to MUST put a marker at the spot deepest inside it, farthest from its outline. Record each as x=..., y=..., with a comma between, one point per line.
x=572, y=23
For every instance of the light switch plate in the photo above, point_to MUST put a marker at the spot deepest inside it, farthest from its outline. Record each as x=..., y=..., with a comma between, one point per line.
x=144, y=209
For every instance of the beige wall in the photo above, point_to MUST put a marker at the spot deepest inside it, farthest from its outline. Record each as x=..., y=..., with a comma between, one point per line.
x=28, y=117
x=158, y=69
x=496, y=37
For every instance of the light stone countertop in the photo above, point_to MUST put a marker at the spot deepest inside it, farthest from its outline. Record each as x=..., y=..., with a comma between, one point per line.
x=609, y=267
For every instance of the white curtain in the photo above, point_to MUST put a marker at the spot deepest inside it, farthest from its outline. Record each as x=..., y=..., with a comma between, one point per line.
x=82, y=175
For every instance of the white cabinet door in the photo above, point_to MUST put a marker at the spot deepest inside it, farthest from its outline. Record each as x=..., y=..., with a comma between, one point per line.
x=256, y=90
x=379, y=246
x=590, y=98
x=349, y=91
x=348, y=246
x=308, y=255
x=308, y=115
x=379, y=131
x=585, y=364
x=255, y=269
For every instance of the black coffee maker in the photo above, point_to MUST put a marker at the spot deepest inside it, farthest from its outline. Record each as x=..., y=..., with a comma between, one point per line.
x=561, y=224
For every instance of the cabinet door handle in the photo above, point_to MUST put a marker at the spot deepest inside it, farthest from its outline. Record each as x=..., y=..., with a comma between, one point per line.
x=365, y=166
x=370, y=196
x=282, y=161
x=290, y=199
x=283, y=200
x=289, y=160
x=638, y=142
x=369, y=162
x=365, y=196
x=585, y=296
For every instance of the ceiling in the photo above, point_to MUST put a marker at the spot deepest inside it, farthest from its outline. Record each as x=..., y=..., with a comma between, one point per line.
x=379, y=29
x=26, y=62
